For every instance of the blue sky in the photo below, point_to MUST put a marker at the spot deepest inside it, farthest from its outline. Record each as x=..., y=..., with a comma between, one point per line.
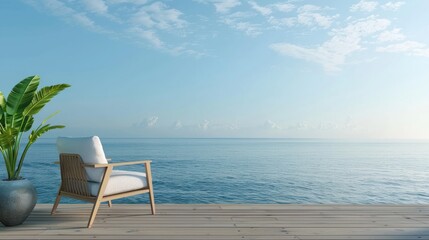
x=324, y=69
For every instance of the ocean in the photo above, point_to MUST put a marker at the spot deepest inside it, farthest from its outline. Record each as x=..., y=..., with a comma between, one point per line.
x=300, y=171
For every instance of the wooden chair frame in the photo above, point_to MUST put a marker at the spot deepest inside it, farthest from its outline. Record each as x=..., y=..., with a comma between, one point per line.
x=74, y=183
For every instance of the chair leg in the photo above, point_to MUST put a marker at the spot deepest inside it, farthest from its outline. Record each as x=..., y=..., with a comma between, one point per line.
x=110, y=203
x=150, y=186
x=57, y=201
x=152, y=202
x=100, y=194
x=93, y=213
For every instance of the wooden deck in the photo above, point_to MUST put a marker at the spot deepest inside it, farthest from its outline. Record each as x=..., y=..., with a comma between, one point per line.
x=218, y=221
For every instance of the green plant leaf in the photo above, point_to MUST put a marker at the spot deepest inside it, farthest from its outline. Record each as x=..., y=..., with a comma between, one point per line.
x=35, y=134
x=2, y=102
x=16, y=117
x=8, y=138
x=2, y=105
x=49, y=117
x=14, y=120
x=22, y=95
x=27, y=124
x=42, y=97
x=2, y=121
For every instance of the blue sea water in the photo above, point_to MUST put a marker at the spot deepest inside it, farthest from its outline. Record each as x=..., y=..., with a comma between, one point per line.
x=259, y=170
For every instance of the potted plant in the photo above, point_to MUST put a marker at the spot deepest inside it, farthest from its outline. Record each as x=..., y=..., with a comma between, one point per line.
x=17, y=194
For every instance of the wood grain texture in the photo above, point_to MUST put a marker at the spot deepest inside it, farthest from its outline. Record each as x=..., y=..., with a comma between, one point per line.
x=219, y=221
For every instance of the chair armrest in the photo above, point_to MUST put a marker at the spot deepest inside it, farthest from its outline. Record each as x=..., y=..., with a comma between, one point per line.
x=129, y=163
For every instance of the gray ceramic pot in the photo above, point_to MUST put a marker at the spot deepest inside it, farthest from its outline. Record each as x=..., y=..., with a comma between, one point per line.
x=17, y=200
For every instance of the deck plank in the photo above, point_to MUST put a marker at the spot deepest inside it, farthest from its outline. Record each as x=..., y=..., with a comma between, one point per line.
x=223, y=221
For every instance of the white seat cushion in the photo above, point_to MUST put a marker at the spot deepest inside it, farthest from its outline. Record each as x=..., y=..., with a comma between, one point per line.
x=90, y=150
x=119, y=182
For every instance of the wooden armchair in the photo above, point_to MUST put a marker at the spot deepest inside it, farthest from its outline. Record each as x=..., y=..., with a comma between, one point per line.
x=86, y=175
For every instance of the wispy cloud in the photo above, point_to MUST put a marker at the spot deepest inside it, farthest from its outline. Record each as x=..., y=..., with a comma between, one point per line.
x=306, y=15
x=393, y=6
x=299, y=126
x=154, y=17
x=158, y=15
x=151, y=121
x=391, y=36
x=96, y=6
x=284, y=7
x=148, y=35
x=272, y=125
x=172, y=30
x=224, y=6
x=238, y=21
x=282, y=22
x=267, y=10
x=178, y=124
x=149, y=23
x=310, y=15
x=60, y=9
x=133, y=2
x=411, y=48
x=344, y=41
x=364, y=6
x=204, y=125
x=261, y=9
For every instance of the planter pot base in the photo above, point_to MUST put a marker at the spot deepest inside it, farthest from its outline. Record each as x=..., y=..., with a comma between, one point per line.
x=17, y=200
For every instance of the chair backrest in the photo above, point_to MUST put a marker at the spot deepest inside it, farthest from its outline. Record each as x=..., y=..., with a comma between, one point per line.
x=73, y=176
x=89, y=149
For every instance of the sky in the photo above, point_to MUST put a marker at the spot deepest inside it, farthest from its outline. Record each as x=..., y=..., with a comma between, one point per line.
x=224, y=68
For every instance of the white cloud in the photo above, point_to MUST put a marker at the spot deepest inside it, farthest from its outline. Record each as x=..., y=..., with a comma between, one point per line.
x=408, y=47
x=250, y=29
x=149, y=36
x=344, y=41
x=391, y=36
x=176, y=51
x=133, y=19
x=309, y=15
x=158, y=15
x=58, y=8
x=300, y=126
x=96, y=6
x=309, y=8
x=393, y=6
x=223, y=6
x=261, y=9
x=284, y=7
x=152, y=121
x=282, y=22
x=364, y=6
x=178, y=125
x=237, y=21
x=84, y=20
x=272, y=125
x=204, y=125
x=134, y=2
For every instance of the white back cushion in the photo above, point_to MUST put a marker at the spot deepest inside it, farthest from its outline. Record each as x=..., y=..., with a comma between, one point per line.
x=89, y=149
